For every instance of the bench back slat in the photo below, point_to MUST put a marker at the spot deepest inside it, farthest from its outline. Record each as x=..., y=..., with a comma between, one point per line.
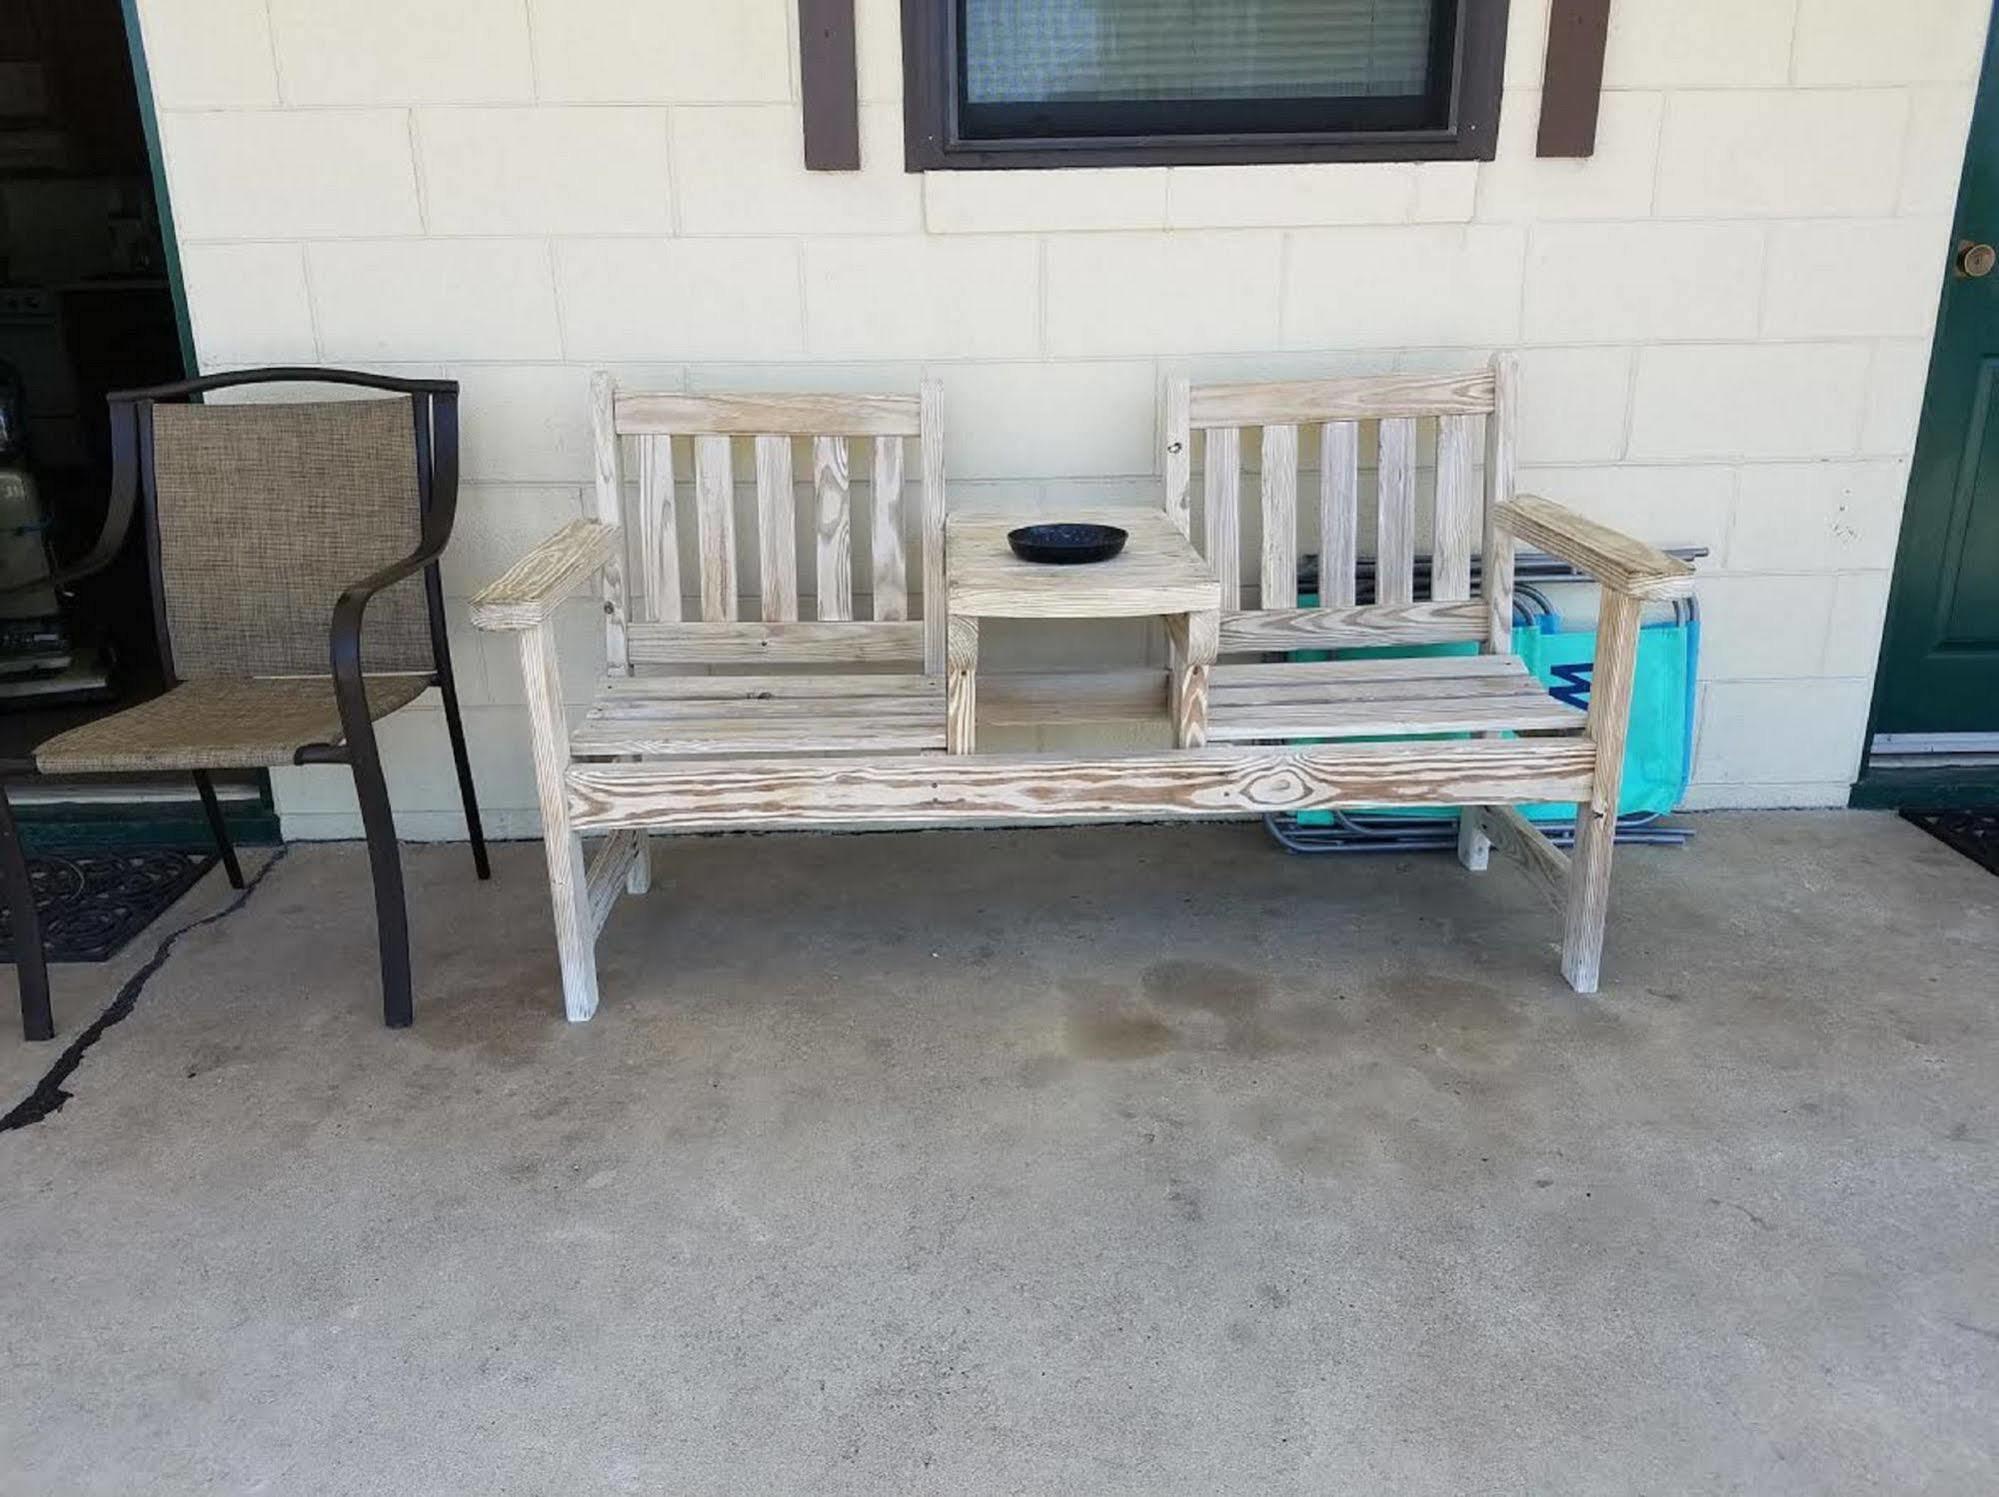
x=1279, y=578
x=1339, y=511
x=1395, y=530
x=1222, y=485
x=655, y=628
x=834, y=528
x=715, y=528
x=777, y=530
x=1447, y=512
x=1457, y=519
x=891, y=578
x=658, y=535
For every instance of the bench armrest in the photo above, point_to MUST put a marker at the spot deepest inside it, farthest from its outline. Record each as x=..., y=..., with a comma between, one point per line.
x=1614, y=559
x=530, y=590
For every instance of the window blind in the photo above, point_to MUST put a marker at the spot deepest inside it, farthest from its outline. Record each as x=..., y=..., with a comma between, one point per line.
x=1112, y=51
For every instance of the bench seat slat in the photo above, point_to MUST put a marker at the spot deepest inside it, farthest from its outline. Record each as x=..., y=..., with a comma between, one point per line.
x=771, y=687
x=1348, y=719
x=614, y=737
x=809, y=643
x=628, y=709
x=1369, y=624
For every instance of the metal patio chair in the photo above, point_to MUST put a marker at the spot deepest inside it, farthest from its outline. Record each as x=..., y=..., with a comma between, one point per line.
x=271, y=531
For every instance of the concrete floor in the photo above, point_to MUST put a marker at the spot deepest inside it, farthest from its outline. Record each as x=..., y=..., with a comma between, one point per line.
x=1142, y=1161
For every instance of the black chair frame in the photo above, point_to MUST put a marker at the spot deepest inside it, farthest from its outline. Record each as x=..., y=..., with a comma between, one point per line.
x=435, y=407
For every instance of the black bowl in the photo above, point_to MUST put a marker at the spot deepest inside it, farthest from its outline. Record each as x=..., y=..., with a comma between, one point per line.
x=1066, y=545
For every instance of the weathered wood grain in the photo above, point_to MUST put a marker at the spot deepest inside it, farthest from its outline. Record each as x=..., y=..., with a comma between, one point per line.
x=769, y=687
x=1221, y=489
x=670, y=413
x=715, y=521
x=1611, y=681
x=1458, y=511
x=1372, y=397
x=1395, y=536
x=1502, y=440
x=611, y=738
x=1022, y=697
x=1179, y=458
x=850, y=643
x=930, y=453
x=658, y=531
x=961, y=685
x=1344, y=675
x=610, y=500
x=992, y=789
x=1475, y=713
x=777, y=531
x=1545, y=864
x=626, y=708
x=1496, y=561
x=834, y=530
x=1278, y=578
x=608, y=872
x=568, y=883
x=891, y=580
x=1333, y=628
x=530, y=590
x=1194, y=640
x=1339, y=512
x=1158, y=572
x=1614, y=559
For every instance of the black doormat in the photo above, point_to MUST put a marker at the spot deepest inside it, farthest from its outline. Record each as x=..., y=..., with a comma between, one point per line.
x=92, y=903
x=1973, y=833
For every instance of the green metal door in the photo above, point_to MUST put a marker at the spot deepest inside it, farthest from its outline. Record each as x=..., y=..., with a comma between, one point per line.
x=1940, y=655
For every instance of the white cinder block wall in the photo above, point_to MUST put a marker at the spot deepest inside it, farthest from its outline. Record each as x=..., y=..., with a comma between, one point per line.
x=1724, y=317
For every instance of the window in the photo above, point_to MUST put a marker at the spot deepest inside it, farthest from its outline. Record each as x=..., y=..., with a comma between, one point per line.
x=998, y=83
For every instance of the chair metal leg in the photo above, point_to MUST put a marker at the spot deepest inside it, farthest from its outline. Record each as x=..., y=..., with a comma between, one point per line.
x=455, y=725
x=37, y=1018
x=219, y=828
x=392, y=931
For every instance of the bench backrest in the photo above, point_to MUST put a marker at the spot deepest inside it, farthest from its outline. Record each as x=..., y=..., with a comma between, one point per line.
x=1467, y=409
x=644, y=612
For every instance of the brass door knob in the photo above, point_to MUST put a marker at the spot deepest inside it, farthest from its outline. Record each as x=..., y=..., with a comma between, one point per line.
x=1975, y=260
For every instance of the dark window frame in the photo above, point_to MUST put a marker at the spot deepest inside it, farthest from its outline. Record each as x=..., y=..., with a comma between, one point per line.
x=932, y=141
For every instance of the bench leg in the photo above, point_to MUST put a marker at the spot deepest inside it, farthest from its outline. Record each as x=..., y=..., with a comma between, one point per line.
x=1596, y=818
x=568, y=885
x=638, y=878
x=961, y=691
x=1474, y=847
x=1195, y=641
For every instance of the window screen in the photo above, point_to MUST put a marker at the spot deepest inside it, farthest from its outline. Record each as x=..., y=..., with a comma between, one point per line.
x=1085, y=67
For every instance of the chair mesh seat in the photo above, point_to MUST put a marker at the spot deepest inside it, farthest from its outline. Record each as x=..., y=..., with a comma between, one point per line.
x=219, y=723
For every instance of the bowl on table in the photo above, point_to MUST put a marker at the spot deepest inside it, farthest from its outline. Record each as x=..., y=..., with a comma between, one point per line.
x=1066, y=543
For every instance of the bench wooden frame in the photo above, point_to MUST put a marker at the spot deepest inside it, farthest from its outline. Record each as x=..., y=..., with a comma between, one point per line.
x=680, y=753
x=1261, y=701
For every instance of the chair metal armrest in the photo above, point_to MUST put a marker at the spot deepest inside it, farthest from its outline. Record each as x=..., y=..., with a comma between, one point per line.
x=345, y=644
x=529, y=591
x=1614, y=559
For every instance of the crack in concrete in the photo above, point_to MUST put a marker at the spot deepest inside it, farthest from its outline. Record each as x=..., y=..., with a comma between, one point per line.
x=48, y=1095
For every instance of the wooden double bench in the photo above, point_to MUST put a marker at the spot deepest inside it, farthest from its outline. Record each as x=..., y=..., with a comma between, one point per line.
x=750, y=716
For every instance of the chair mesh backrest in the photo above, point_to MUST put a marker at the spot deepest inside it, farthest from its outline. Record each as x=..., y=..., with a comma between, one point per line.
x=266, y=513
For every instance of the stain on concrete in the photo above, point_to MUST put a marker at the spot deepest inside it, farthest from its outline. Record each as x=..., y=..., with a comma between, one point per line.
x=1116, y=1034
x=1234, y=997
